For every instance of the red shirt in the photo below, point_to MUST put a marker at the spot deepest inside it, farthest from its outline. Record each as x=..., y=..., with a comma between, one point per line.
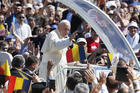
x=92, y=45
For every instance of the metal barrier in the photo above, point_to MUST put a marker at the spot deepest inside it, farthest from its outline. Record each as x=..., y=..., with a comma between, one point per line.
x=96, y=69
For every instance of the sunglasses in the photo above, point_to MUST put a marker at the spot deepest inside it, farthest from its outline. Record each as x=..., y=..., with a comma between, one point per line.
x=21, y=17
x=5, y=48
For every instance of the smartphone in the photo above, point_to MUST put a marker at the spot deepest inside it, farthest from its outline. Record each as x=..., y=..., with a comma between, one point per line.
x=52, y=84
x=121, y=74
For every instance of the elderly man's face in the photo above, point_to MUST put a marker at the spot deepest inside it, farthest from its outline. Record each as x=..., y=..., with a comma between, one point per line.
x=132, y=30
x=65, y=30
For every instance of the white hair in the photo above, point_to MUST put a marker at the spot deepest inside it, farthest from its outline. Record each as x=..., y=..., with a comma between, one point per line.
x=64, y=22
x=81, y=88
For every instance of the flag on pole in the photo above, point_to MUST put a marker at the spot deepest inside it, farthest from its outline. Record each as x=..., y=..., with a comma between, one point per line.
x=77, y=53
x=109, y=59
x=2, y=30
x=113, y=61
x=5, y=70
x=18, y=83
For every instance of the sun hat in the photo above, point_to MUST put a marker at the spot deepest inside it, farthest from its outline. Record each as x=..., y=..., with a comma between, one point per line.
x=134, y=24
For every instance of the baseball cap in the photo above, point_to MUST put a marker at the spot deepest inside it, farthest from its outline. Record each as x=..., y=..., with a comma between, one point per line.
x=111, y=12
x=134, y=24
x=28, y=5
x=81, y=40
x=111, y=3
x=10, y=36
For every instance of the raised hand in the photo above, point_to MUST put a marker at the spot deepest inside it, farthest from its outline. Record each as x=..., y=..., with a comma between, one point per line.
x=73, y=35
x=89, y=74
x=102, y=79
x=96, y=88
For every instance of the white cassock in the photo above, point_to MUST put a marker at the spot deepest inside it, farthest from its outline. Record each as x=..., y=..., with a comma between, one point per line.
x=54, y=48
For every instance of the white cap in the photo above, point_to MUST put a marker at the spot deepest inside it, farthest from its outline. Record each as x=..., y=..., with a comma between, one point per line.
x=81, y=40
x=29, y=5
x=111, y=12
x=134, y=24
x=111, y=3
x=38, y=6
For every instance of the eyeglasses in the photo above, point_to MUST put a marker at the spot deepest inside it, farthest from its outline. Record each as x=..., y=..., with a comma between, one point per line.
x=5, y=48
x=103, y=56
x=21, y=17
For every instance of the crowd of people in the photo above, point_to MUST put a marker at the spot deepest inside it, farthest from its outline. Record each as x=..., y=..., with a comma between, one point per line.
x=35, y=36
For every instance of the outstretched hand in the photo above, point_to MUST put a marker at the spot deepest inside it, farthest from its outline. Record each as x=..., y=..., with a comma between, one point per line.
x=96, y=88
x=89, y=74
x=73, y=36
x=102, y=79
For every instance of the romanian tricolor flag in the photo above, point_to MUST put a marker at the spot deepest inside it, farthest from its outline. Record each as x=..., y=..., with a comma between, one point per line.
x=18, y=83
x=5, y=70
x=77, y=53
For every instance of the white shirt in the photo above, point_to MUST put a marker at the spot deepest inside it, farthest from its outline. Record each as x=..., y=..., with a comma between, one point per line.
x=133, y=41
x=87, y=35
x=23, y=31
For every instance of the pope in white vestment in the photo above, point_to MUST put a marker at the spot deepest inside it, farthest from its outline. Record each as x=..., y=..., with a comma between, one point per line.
x=54, y=48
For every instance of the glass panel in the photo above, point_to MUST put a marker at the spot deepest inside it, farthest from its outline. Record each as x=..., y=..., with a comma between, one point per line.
x=105, y=28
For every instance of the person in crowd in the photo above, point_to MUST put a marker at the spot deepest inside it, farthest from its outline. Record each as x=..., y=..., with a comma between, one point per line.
x=123, y=90
x=112, y=84
x=86, y=29
x=133, y=36
x=39, y=37
x=73, y=80
x=40, y=20
x=9, y=39
x=29, y=10
x=122, y=21
x=58, y=16
x=20, y=29
x=135, y=80
x=17, y=66
x=17, y=8
x=93, y=42
x=81, y=88
x=82, y=42
x=54, y=47
x=50, y=11
x=31, y=65
x=32, y=24
x=4, y=55
x=3, y=27
x=133, y=84
x=4, y=10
